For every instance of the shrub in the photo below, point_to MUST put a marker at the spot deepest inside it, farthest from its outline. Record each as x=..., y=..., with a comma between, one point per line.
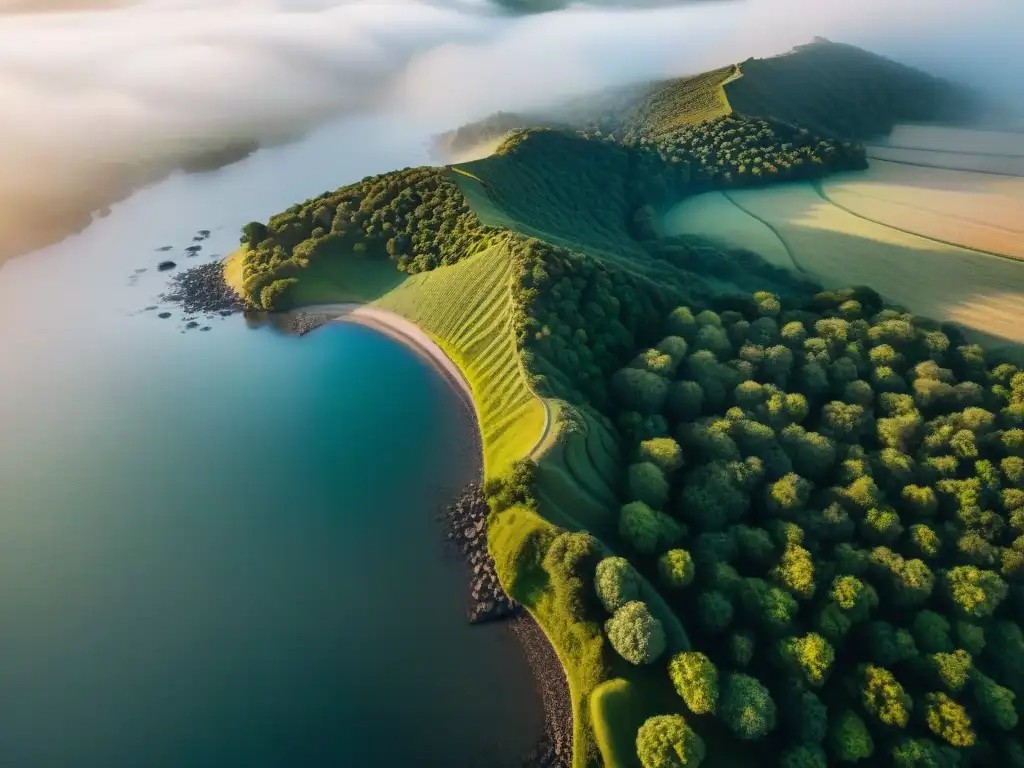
x=675, y=568
x=696, y=680
x=952, y=670
x=714, y=611
x=931, y=632
x=747, y=706
x=804, y=756
x=681, y=322
x=805, y=716
x=647, y=530
x=635, y=634
x=795, y=572
x=741, y=648
x=617, y=583
x=948, y=720
x=770, y=607
x=855, y=597
x=663, y=452
x=995, y=702
x=666, y=741
x=975, y=593
x=849, y=739
x=685, y=400
x=883, y=696
x=639, y=390
x=924, y=753
x=647, y=483
x=810, y=656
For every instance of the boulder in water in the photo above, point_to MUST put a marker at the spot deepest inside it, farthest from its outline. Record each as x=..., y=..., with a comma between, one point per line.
x=163, y=266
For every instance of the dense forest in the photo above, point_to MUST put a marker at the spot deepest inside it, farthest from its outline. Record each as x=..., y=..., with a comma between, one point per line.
x=831, y=495
x=586, y=192
x=825, y=492
x=415, y=217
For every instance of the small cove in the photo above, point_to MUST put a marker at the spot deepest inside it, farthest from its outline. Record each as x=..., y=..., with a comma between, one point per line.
x=219, y=549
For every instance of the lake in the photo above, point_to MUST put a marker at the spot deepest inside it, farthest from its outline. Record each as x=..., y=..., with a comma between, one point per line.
x=220, y=548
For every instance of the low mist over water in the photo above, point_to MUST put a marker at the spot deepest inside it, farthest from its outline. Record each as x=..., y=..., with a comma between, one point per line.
x=101, y=96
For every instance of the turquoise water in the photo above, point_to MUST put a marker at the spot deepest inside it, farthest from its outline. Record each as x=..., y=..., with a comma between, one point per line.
x=220, y=549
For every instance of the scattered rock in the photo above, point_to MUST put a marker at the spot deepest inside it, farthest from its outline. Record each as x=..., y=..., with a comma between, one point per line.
x=150, y=308
x=555, y=748
x=163, y=266
x=192, y=324
x=140, y=270
x=194, y=249
x=203, y=234
x=205, y=328
x=164, y=315
x=304, y=322
x=202, y=290
x=466, y=521
x=164, y=248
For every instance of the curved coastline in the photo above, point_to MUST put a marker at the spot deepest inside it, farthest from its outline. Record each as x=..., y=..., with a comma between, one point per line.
x=555, y=744
x=401, y=330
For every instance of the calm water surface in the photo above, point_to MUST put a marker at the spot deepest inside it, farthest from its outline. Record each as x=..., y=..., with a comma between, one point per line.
x=219, y=549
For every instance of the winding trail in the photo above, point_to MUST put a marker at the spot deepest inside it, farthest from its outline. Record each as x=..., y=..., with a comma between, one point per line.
x=792, y=256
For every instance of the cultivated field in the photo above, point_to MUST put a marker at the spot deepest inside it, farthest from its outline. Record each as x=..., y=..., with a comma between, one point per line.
x=961, y=149
x=970, y=209
x=716, y=217
x=467, y=309
x=940, y=138
x=945, y=282
x=959, y=161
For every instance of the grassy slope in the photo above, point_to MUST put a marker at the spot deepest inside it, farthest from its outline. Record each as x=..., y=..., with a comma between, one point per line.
x=841, y=90
x=325, y=281
x=684, y=101
x=576, y=488
x=467, y=309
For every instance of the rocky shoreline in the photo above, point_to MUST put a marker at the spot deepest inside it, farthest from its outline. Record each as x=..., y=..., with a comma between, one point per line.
x=202, y=289
x=466, y=522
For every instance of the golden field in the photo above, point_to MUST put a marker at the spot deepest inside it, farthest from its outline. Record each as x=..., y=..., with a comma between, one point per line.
x=901, y=253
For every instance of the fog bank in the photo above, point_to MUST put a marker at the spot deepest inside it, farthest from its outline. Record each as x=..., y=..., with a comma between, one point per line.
x=98, y=96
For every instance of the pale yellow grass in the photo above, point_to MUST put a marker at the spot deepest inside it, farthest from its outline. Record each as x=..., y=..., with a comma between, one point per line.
x=969, y=209
x=1007, y=166
x=233, y=266
x=942, y=138
x=713, y=216
x=944, y=282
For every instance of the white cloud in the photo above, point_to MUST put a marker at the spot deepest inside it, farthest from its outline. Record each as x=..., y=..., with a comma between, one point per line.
x=89, y=95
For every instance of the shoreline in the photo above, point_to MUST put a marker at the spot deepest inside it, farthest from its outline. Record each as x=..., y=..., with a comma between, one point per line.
x=555, y=745
x=393, y=326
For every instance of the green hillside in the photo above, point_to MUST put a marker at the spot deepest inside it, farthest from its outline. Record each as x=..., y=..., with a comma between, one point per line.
x=840, y=90
x=832, y=89
x=761, y=523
